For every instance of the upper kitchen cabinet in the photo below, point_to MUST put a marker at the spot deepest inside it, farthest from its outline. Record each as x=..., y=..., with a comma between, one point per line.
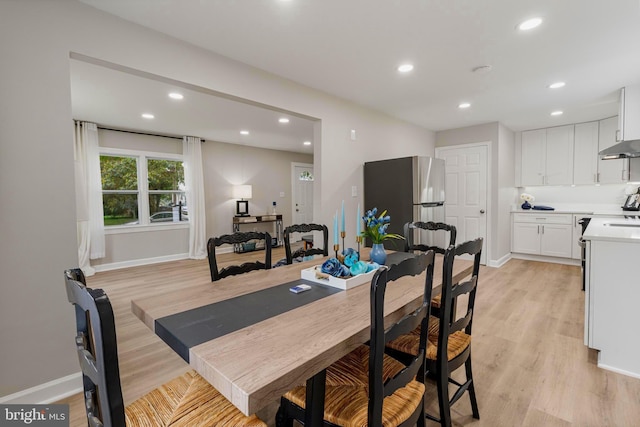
x=547, y=156
x=629, y=114
x=590, y=138
x=585, y=159
x=533, y=156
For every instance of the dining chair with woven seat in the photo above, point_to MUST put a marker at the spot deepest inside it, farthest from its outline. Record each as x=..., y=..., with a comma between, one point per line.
x=449, y=338
x=410, y=230
x=188, y=400
x=309, y=251
x=236, y=239
x=367, y=387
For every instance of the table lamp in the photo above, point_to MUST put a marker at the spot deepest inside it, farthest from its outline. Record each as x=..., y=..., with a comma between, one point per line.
x=242, y=192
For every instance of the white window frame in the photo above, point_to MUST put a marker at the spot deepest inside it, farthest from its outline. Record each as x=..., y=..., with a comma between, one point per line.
x=143, y=190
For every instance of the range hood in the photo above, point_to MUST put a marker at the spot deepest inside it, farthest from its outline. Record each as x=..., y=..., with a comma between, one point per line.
x=622, y=150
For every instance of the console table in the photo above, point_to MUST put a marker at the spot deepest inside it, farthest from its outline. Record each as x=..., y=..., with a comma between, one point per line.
x=259, y=219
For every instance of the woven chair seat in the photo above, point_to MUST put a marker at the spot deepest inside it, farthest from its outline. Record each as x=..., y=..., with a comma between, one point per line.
x=347, y=392
x=435, y=301
x=188, y=400
x=409, y=343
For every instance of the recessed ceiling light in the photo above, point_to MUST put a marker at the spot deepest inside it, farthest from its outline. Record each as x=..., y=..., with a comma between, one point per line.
x=283, y=120
x=307, y=143
x=244, y=132
x=556, y=113
x=556, y=85
x=530, y=24
x=176, y=95
x=148, y=116
x=464, y=105
x=405, y=68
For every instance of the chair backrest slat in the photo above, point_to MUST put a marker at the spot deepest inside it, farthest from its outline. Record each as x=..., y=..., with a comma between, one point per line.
x=409, y=232
x=238, y=239
x=415, y=266
x=306, y=228
x=97, y=351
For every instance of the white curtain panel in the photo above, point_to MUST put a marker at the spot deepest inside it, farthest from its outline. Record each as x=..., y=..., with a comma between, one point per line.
x=194, y=181
x=91, y=242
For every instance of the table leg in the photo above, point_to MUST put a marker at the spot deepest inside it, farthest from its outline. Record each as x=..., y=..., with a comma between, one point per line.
x=314, y=403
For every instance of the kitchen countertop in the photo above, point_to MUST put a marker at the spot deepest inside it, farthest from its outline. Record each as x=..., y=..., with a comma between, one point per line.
x=613, y=229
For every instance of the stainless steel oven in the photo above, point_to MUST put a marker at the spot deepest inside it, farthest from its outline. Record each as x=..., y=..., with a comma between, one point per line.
x=584, y=222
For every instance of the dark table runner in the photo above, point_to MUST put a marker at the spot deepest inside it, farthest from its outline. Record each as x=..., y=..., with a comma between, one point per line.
x=181, y=331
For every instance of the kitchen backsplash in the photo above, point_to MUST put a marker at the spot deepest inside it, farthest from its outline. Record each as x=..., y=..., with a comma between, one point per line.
x=612, y=194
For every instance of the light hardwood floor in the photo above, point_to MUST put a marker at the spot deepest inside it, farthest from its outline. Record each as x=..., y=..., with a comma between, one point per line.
x=530, y=365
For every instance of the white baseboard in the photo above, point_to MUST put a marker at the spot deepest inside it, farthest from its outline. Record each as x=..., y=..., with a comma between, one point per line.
x=497, y=263
x=543, y=258
x=46, y=393
x=618, y=370
x=139, y=262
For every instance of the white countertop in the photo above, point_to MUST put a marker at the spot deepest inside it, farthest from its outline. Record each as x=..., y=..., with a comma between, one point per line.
x=614, y=229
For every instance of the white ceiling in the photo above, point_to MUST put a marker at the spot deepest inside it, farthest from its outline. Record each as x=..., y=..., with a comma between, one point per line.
x=116, y=99
x=351, y=48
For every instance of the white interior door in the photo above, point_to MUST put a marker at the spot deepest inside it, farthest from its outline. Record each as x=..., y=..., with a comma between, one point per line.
x=302, y=187
x=466, y=192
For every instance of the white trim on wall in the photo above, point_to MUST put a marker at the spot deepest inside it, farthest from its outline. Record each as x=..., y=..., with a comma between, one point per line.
x=139, y=262
x=46, y=393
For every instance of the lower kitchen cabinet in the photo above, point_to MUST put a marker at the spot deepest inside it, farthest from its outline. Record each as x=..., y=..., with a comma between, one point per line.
x=544, y=234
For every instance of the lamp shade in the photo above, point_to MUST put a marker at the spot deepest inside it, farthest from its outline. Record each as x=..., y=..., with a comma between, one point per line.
x=242, y=192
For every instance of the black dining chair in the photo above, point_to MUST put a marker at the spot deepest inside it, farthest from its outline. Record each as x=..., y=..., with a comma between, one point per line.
x=411, y=246
x=368, y=387
x=449, y=338
x=409, y=232
x=188, y=400
x=306, y=251
x=237, y=239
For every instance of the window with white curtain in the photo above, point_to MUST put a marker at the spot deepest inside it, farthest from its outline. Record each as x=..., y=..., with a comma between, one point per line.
x=142, y=188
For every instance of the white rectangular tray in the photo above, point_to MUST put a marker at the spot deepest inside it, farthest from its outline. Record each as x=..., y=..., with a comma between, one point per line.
x=336, y=282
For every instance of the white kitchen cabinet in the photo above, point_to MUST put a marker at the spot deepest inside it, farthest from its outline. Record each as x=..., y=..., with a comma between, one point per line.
x=547, y=156
x=542, y=234
x=610, y=171
x=533, y=157
x=526, y=238
x=629, y=113
x=559, y=155
x=585, y=153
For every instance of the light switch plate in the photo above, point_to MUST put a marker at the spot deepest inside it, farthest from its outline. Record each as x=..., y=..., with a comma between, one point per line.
x=282, y=194
x=354, y=191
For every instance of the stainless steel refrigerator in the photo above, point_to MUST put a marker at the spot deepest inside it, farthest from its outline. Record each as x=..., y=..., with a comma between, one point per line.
x=410, y=189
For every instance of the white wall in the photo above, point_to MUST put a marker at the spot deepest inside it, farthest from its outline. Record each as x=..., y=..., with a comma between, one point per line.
x=506, y=193
x=268, y=171
x=610, y=195
x=36, y=165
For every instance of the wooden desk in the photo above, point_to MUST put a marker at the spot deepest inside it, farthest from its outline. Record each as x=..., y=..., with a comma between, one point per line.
x=259, y=219
x=254, y=366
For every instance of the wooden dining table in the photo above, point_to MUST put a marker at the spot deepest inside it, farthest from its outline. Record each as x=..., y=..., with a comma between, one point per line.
x=254, y=340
